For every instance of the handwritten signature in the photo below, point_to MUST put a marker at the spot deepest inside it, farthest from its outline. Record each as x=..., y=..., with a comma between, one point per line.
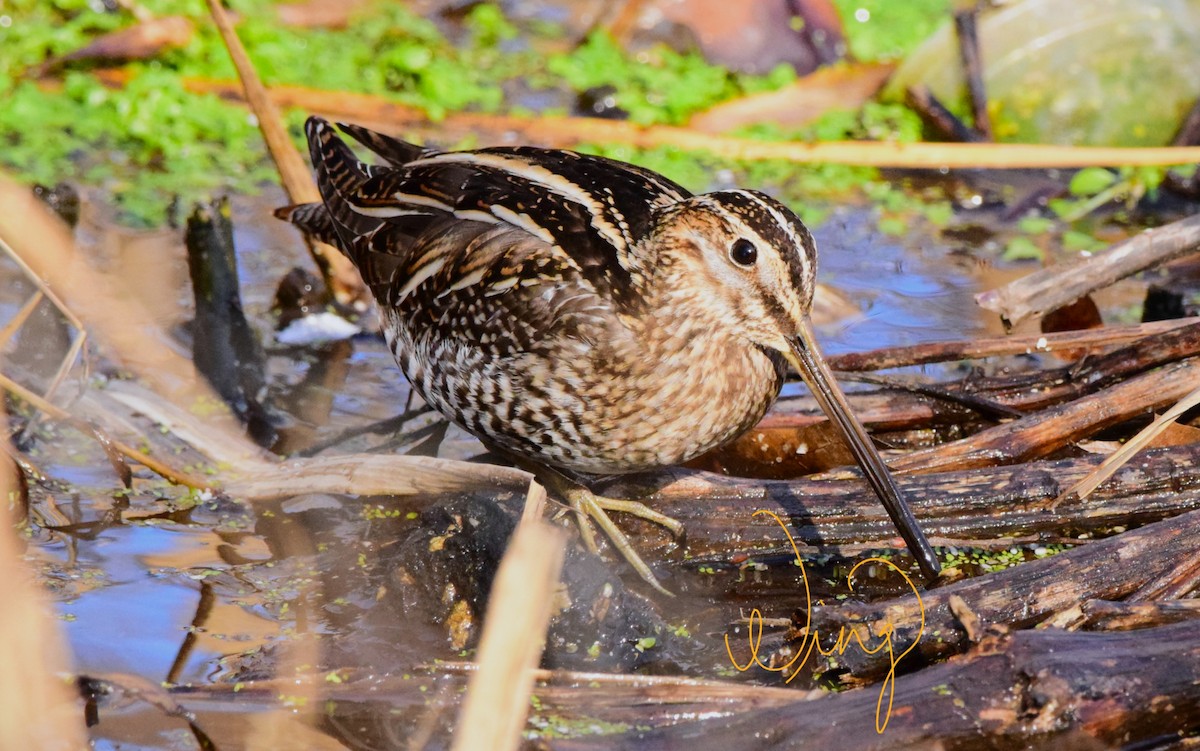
x=879, y=641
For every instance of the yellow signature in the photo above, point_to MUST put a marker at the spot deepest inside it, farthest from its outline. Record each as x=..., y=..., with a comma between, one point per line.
x=842, y=643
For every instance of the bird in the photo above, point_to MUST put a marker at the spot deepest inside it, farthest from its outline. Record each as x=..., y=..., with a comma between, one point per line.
x=579, y=315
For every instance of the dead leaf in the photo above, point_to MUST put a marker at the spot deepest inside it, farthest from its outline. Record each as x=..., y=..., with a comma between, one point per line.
x=322, y=14
x=840, y=87
x=138, y=42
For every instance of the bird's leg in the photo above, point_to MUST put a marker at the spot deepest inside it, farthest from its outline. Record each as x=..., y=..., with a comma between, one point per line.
x=589, y=507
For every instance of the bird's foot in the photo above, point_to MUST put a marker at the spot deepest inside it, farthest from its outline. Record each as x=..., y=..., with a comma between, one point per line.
x=589, y=508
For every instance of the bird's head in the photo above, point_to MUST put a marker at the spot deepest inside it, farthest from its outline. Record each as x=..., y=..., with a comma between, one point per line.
x=756, y=257
x=757, y=264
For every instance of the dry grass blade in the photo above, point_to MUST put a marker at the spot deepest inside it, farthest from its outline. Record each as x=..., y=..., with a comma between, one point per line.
x=340, y=275
x=569, y=131
x=144, y=458
x=518, y=613
x=1121, y=456
x=1050, y=289
x=77, y=341
x=14, y=325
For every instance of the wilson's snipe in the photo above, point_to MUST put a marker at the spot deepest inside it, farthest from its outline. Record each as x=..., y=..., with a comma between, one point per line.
x=580, y=313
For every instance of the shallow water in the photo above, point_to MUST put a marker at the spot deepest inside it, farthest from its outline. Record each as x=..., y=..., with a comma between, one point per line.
x=193, y=595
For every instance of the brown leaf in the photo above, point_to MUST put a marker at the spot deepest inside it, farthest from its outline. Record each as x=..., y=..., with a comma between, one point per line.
x=138, y=42
x=841, y=87
x=323, y=14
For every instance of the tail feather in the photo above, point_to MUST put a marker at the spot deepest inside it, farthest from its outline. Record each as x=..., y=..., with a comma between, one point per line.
x=358, y=213
x=340, y=177
x=312, y=219
x=394, y=151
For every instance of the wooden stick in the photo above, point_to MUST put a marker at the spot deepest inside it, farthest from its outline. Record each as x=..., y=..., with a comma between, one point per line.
x=1050, y=289
x=522, y=599
x=339, y=273
x=1037, y=435
x=164, y=470
x=569, y=131
x=1039, y=689
x=935, y=115
x=1123, y=616
x=1026, y=344
x=972, y=62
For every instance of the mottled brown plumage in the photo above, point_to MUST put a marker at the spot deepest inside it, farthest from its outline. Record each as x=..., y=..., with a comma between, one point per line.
x=578, y=312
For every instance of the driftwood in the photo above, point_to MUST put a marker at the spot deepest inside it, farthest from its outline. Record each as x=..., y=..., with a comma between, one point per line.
x=1122, y=616
x=795, y=439
x=1038, y=435
x=1018, y=597
x=949, y=351
x=1045, y=689
x=968, y=505
x=1047, y=290
x=1025, y=391
x=1028, y=690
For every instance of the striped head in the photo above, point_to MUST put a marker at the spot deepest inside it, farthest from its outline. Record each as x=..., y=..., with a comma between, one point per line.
x=758, y=256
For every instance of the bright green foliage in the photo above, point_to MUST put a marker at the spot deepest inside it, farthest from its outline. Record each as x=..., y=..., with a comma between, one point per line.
x=1091, y=180
x=662, y=86
x=1022, y=249
x=890, y=29
x=151, y=139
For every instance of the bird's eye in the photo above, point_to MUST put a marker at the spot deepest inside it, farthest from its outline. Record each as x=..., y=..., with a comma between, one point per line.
x=743, y=252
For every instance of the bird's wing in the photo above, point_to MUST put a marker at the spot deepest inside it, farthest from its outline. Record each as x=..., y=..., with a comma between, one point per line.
x=539, y=236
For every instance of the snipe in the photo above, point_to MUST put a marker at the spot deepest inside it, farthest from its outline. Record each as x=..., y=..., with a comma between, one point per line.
x=579, y=314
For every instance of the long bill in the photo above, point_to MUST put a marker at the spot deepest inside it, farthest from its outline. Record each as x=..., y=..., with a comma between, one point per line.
x=807, y=360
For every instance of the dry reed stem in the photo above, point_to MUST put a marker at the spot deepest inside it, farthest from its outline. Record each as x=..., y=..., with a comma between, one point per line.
x=39, y=708
x=252, y=474
x=518, y=613
x=179, y=477
x=44, y=290
x=568, y=131
x=17, y=321
x=341, y=277
x=535, y=503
